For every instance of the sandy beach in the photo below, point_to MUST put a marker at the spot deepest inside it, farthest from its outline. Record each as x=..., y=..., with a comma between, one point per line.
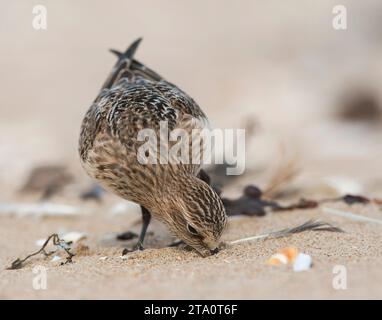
x=239, y=272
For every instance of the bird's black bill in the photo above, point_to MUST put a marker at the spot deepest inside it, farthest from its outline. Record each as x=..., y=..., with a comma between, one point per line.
x=214, y=251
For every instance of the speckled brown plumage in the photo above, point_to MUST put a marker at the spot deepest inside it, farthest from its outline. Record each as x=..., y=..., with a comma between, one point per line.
x=134, y=98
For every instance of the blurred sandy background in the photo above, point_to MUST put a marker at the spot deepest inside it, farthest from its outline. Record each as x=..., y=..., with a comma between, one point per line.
x=277, y=64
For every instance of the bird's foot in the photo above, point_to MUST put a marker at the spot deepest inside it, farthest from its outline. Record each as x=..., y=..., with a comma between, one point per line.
x=137, y=247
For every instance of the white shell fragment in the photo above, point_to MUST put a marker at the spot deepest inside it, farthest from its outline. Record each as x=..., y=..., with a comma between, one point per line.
x=344, y=185
x=43, y=209
x=103, y=258
x=56, y=258
x=40, y=242
x=351, y=216
x=303, y=262
x=278, y=258
x=73, y=236
x=125, y=207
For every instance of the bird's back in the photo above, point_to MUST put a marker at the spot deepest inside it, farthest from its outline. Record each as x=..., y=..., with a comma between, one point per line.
x=133, y=98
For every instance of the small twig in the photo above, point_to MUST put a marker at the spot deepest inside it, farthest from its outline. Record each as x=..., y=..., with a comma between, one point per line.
x=309, y=225
x=18, y=263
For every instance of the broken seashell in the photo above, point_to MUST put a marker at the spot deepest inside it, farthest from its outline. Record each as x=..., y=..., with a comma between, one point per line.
x=291, y=253
x=73, y=236
x=303, y=262
x=55, y=258
x=285, y=256
x=277, y=259
x=125, y=207
x=43, y=209
x=343, y=185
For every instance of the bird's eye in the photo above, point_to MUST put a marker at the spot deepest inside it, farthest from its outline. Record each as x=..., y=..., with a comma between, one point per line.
x=192, y=229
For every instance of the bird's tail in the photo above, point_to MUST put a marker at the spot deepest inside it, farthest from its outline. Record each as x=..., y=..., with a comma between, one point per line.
x=130, y=51
x=127, y=67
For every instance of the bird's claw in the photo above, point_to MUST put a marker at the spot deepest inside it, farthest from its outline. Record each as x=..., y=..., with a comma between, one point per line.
x=137, y=247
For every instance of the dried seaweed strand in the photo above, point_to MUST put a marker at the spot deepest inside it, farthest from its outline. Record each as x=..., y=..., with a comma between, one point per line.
x=18, y=263
x=310, y=225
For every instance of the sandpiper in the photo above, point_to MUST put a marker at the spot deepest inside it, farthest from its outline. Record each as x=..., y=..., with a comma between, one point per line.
x=133, y=98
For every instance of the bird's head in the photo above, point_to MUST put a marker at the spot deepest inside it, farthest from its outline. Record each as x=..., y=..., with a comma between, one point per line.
x=196, y=215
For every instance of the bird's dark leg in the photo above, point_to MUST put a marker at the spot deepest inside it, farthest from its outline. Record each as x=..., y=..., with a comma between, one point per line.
x=146, y=217
x=202, y=175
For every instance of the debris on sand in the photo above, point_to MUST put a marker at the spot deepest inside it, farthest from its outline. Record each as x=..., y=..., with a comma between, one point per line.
x=343, y=185
x=291, y=256
x=42, y=209
x=351, y=216
x=55, y=258
x=94, y=193
x=125, y=207
x=301, y=204
x=57, y=242
x=40, y=242
x=69, y=237
x=351, y=199
x=128, y=235
x=285, y=256
x=359, y=105
x=303, y=262
x=310, y=225
x=47, y=180
x=73, y=236
x=252, y=203
x=277, y=259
